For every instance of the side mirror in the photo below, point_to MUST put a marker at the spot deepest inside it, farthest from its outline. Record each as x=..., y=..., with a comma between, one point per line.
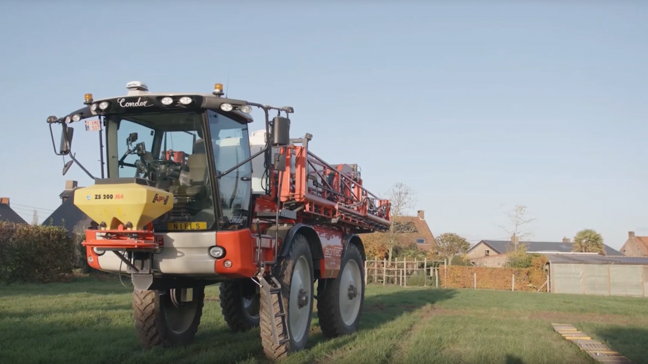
x=132, y=138
x=66, y=140
x=281, y=131
x=67, y=166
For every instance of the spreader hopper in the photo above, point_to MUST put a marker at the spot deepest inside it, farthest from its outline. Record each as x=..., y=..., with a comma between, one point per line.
x=131, y=204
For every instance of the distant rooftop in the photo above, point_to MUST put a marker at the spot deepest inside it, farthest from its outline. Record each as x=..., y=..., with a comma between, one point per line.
x=501, y=246
x=8, y=214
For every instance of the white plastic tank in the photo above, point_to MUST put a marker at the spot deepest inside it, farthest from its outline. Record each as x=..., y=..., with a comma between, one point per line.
x=257, y=142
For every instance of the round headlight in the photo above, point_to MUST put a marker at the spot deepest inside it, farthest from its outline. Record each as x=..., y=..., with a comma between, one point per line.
x=68, y=120
x=226, y=107
x=104, y=105
x=246, y=109
x=216, y=252
x=94, y=107
x=76, y=117
x=167, y=100
x=185, y=100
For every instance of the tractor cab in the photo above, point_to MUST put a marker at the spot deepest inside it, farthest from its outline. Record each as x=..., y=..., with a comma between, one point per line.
x=194, y=146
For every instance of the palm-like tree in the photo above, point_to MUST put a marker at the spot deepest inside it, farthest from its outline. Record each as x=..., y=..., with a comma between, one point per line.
x=589, y=240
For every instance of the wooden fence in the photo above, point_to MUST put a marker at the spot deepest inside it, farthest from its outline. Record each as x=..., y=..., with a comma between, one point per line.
x=436, y=274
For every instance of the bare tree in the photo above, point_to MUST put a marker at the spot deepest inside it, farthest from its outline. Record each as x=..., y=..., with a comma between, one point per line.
x=517, y=230
x=401, y=198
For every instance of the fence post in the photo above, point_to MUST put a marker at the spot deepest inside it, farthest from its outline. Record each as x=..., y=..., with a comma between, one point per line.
x=547, y=283
x=405, y=277
x=366, y=271
x=513, y=282
x=384, y=270
x=436, y=276
x=375, y=277
x=445, y=273
x=425, y=272
x=475, y=280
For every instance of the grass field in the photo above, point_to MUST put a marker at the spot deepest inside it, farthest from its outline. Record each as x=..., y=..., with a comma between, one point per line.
x=89, y=321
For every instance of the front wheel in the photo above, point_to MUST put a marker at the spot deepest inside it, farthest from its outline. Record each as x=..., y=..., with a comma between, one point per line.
x=167, y=317
x=239, y=301
x=340, y=299
x=296, y=279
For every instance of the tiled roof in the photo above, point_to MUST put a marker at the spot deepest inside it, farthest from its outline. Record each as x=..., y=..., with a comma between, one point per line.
x=501, y=246
x=642, y=243
x=422, y=232
x=74, y=219
x=9, y=215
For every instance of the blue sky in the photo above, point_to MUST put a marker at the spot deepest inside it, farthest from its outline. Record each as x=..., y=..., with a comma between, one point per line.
x=477, y=107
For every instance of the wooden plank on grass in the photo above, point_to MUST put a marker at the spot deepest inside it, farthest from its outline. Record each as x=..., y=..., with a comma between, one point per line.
x=596, y=349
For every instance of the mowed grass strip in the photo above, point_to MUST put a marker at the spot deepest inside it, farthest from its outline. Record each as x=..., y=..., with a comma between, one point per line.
x=90, y=321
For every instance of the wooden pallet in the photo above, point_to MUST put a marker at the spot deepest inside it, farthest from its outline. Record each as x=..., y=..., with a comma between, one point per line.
x=596, y=349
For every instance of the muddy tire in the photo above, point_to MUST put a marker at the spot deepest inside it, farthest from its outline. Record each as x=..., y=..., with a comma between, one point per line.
x=163, y=319
x=296, y=279
x=239, y=301
x=340, y=300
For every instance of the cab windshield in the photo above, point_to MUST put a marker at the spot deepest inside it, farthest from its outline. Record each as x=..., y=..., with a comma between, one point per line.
x=168, y=149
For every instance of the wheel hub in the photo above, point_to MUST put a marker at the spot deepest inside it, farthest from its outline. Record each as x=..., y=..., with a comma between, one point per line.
x=302, y=298
x=353, y=292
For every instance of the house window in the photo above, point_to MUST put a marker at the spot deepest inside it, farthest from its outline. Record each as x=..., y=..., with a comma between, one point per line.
x=420, y=241
x=487, y=252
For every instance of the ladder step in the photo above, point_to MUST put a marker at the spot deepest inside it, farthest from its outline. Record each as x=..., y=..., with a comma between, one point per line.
x=280, y=314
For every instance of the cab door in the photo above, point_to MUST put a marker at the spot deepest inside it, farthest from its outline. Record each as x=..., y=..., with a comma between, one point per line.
x=231, y=145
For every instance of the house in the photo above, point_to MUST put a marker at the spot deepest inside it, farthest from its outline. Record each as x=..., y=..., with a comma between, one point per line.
x=493, y=253
x=635, y=246
x=7, y=214
x=67, y=214
x=414, y=229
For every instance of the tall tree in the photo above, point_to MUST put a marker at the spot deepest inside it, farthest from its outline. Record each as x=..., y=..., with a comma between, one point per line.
x=517, y=228
x=451, y=244
x=401, y=198
x=589, y=241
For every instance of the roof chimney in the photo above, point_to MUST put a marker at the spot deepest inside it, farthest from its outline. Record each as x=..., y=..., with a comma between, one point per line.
x=70, y=185
x=566, y=240
x=421, y=214
x=631, y=234
x=4, y=201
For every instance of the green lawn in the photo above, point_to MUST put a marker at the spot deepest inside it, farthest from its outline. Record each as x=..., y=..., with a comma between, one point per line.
x=89, y=322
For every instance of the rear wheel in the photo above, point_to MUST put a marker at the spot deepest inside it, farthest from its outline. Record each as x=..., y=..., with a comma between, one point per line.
x=340, y=300
x=296, y=279
x=239, y=301
x=167, y=317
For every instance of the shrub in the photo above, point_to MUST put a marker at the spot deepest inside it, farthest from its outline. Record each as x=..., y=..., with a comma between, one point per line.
x=35, y=253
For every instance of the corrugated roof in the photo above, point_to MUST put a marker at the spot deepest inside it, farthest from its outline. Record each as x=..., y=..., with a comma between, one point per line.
x=9, y=215
x=594, y=259
x=540, y=246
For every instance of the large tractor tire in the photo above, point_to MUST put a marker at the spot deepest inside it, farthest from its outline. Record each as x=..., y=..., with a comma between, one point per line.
x=239, y=301
x=296, y=279
x=164, y=318
x=340, y=299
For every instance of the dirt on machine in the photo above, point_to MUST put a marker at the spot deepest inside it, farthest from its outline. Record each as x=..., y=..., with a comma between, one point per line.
x=188, y=197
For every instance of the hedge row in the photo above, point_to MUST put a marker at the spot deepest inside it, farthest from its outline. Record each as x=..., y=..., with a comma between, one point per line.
x=526, y=279
x=31, y=253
